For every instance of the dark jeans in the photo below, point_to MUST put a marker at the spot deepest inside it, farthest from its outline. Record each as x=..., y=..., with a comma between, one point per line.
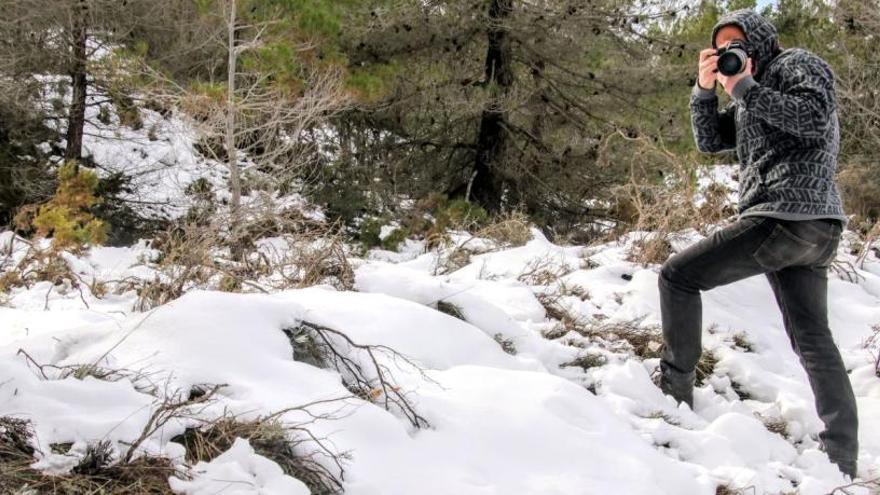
x=794, y=256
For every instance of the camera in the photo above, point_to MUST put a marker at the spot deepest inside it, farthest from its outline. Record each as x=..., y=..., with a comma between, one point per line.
x=732, y=58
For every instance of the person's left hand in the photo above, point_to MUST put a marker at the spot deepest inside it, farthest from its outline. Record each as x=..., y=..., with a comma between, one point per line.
x=730, y=81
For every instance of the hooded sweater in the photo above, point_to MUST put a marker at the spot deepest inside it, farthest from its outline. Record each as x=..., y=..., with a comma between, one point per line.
x=782, y=122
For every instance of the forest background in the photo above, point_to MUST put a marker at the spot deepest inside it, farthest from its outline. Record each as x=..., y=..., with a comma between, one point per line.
x=572, y=113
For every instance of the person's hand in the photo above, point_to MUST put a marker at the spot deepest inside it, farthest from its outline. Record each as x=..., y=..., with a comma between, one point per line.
x=729, y=82
x=708, y=68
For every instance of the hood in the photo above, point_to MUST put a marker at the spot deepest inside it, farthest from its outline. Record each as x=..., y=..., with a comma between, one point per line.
x=760, y=34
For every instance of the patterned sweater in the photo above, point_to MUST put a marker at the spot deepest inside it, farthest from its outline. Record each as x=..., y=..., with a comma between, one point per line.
x=783, y=124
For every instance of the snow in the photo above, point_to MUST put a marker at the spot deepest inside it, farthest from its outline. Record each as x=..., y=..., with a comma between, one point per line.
x=483, y=399
x=499, y=422
x=507, y=412
x=160, y=158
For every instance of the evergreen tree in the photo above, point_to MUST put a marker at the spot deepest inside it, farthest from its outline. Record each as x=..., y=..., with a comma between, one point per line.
x=502, y=102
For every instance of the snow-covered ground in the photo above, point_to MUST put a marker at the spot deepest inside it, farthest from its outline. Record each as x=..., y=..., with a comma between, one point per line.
x=505, y=419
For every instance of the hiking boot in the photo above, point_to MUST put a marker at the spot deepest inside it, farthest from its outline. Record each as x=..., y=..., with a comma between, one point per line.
x=846, y=467
x=679, y=385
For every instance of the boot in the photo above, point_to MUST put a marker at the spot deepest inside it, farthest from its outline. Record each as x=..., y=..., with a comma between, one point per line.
x=679, y=385
x=846, y=467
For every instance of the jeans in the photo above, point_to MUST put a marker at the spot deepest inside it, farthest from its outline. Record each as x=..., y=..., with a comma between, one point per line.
x=794, y=255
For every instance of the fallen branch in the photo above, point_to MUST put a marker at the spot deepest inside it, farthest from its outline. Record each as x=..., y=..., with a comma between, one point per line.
x=354, y=376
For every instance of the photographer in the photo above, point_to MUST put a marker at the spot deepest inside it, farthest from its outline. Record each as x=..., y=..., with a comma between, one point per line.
x=782, y=123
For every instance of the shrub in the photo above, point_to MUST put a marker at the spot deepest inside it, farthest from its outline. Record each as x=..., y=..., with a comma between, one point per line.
x=67, y=216
x=392, y=241
x=463, y=213
x=369, y=232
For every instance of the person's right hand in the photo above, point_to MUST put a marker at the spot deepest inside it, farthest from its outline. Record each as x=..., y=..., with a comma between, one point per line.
x=708, y=68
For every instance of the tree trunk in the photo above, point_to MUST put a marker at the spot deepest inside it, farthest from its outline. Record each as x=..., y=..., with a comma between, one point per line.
x=488, y=184
x=76, y=116
x=236, y=240
x=231, y=154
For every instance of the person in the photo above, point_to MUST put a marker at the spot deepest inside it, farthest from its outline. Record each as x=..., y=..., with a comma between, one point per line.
x=782, y=122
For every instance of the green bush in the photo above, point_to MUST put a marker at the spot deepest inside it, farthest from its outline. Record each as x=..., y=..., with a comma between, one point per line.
x=462, y=213
x=66, y=217
x=370, y=230
x=392, y=241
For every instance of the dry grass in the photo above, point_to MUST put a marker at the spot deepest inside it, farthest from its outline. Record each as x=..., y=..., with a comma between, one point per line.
x=643, y=341
x=705, y=366
x=41, y=264
x=451, y=256
x=269, y=438
x=142, y=381
x=587, y=361
x=726, y=490
x=544, y=271
x=874, y=341
x=568, y=320
x=197, y=255
x=98, y=471
x=93, y=474
x=740, y=391
x=665, y=417
x=193, y=256
x=554, y=309
x=506, y=344
x=659, y=207
x=650, y=250
x=510, y=229
x=775, y=425
x=450, y=309
x=15, y=435
x=741, y=340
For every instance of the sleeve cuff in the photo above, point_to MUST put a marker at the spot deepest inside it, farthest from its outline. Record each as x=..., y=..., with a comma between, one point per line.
x=702, y=93
x=739, y=91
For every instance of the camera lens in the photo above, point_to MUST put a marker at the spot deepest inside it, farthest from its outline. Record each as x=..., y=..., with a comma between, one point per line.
x=732, y=62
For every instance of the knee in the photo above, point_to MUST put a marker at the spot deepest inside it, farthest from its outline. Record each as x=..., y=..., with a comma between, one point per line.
x=672, y=276
x=668, y=274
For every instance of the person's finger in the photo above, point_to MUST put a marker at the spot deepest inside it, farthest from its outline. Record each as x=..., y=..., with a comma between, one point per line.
x=708, y=63
x=709, y=60
x=706, y=53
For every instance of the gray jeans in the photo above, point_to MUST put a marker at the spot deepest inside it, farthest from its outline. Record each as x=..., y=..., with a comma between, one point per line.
x=794, y=256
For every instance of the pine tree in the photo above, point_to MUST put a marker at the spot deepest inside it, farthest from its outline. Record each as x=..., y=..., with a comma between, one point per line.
x=500, y=102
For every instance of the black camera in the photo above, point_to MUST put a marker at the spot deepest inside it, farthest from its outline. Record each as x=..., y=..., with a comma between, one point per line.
x=732, y=58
